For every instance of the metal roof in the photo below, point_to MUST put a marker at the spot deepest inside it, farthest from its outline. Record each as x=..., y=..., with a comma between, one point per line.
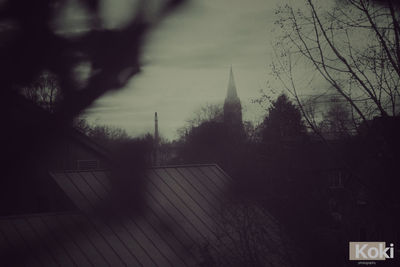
x=180, y=206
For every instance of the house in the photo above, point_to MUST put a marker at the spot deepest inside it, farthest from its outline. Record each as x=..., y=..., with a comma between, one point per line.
x=177, y=222
x=69, y=207
x=31, y=150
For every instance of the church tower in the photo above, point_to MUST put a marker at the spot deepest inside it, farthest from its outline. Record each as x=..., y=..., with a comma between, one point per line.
x=232, y=106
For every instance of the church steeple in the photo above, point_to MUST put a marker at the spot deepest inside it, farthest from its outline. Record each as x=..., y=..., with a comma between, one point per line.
x=232, y=106
x=231, y=94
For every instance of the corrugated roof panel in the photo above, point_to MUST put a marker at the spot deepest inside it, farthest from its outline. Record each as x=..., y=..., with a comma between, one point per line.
x=127, y=247
x=98, y=240
x=169, y=221
x=72, y=192
x=115, y=237
x=103, y=177
x=220, y=172
x=224, y=178
x=208, y=207
x=139, y=249
x=194, y=189
x=85, y=190
x=94, y=183
x=53, y=247
x=172, y=204
x=33, y=240
x=154, y=239
x=151, y=253
x=175, y=219
x=185, y=205
x=184, y=194
x=211, y=194
x=79, y=237
x=208, y=184
x=148, y=236
x=17, y=246
x=173, y=239
x=181, y=204
x=189, y=189
x=158, y=242
x=51, y=243
x=210, y=177
x=61, y=239
x=184, y=202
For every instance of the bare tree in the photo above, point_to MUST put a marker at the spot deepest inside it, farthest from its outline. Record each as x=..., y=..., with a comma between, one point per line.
x=336, y=120
x=247, y=235
x=109, y=136
x=44, y=91
x=88, y=59
x=208, y=112
x=354, y=46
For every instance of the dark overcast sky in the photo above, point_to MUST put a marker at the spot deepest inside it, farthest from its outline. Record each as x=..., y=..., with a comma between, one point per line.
x=186, y=64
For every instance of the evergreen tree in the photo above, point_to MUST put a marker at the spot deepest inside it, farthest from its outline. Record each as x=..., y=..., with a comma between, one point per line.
x=284, y=121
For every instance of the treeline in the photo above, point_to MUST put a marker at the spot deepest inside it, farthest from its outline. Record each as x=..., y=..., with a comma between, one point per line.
x=326, y=184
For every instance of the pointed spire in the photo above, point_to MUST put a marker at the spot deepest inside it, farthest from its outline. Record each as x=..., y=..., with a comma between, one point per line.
x=232, y=106
x=231, y=94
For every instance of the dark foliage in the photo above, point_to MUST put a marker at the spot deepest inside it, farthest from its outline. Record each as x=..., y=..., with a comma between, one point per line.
x=31, y=45
x=284, y=121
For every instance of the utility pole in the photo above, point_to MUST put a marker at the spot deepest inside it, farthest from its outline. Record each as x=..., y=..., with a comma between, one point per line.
x=156, y=140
